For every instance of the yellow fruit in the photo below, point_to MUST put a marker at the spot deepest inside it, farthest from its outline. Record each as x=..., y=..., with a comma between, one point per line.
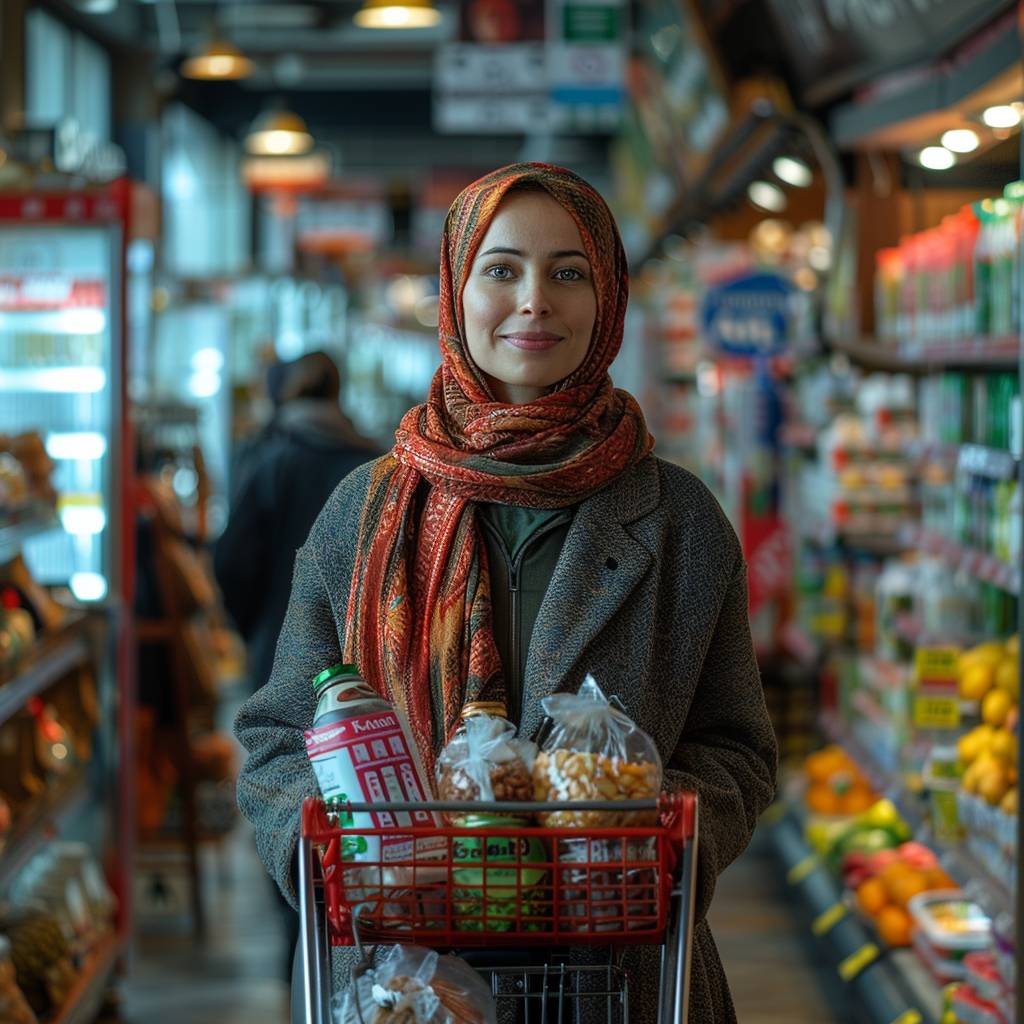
x=972, y=744
x=995, y=707
x=976, y=680
x=993, y=783
x=1008, y=805
x=1004, y=746
x=1007, y=677
x=1013, y=646
x=894, y=926
x=988, y=653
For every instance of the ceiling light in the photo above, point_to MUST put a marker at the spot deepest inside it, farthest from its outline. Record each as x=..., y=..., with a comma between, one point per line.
x=767, y=196
x=1004, y=115
x=95, y=6
x=792, y=171
x=279, y=133
x=960, y=140
x=936, y=158
x=389, y=14
x=219, y=61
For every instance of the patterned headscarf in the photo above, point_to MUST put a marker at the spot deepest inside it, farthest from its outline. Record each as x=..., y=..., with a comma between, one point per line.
x=419, y=622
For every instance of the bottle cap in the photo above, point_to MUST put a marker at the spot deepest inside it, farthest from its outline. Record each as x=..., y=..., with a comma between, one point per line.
x=484, y=707
x=328, y=674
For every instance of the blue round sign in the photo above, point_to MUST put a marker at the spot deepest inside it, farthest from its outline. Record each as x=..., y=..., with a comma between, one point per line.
x=750, y=315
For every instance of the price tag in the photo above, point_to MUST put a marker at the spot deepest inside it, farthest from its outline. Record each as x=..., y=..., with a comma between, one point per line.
x=828, y=919
x=932, y=711
x=909, y=1017
x=799, y=871
x=936, y=664
x=856, y=962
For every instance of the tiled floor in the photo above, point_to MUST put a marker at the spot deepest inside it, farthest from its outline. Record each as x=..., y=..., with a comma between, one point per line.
x=234, y=977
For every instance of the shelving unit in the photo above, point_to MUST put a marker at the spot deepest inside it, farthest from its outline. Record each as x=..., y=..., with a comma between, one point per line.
x=978, y=564
x=20, y=527
x=84, y=1000
x=927, y=357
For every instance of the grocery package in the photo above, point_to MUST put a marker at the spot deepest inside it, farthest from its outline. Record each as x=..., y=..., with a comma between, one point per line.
x=13, y=1007
x=594, y=752
x=412, y=985
x=363, y=751
x=948, y=927
x=41, y=958
x=485, y=761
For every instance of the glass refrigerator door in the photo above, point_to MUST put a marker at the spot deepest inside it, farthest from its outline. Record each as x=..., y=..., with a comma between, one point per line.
x=59, y=376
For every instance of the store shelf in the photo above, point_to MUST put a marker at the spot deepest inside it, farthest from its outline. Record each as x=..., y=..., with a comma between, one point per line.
x=52, y=657
x=967, y=354
x=884, y=545
x=890, y=984
x=977, y=564
x=84, y=999
x=801, y=436
x=18, y=527
x=50, y=815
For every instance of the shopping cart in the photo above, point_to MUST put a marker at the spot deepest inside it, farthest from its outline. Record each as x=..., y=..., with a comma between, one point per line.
x=503, y=887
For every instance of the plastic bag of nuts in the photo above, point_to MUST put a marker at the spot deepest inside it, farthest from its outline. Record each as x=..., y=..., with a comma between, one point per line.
x=594, y=752
x=485, y=761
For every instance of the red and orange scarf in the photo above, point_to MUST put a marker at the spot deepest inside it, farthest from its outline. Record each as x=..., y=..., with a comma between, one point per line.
x=419, y=622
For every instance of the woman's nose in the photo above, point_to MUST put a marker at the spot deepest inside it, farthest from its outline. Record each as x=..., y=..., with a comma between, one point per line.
x=534, y=300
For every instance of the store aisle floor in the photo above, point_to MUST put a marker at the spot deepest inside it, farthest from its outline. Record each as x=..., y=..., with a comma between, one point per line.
x=769, y=961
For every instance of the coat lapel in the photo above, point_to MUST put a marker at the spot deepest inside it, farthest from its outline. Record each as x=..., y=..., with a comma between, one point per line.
x=600, y=566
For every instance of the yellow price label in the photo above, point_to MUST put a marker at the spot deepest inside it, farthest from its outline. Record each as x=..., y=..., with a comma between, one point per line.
x=909, y=1017
x=856, y=962
x=799, y=871
x=936, y=664
x=936, y=712
x=828, y=919
x=774, y=814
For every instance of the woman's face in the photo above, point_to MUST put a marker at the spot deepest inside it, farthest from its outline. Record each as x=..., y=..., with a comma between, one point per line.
x=529, y=305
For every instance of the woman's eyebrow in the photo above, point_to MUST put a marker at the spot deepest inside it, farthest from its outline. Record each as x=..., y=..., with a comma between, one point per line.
x=560, y=254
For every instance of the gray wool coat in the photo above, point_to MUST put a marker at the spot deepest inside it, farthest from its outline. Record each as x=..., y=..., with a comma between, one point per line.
x=649, y=595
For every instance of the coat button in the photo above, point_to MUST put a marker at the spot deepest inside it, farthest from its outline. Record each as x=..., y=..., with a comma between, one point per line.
x=612, y=564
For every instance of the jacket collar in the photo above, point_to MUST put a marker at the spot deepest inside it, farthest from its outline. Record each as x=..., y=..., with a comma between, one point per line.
x=600, y=566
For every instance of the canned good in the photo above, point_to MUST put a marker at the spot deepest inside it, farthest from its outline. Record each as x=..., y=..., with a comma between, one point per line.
x=490, y=898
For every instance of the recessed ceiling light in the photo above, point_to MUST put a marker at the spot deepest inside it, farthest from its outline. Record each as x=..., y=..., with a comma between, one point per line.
x=792, y=171
x=960, y=140
x=1003, y=115
x=767, y=196
x=936, y=158
x=279, y=133
x=396, y=14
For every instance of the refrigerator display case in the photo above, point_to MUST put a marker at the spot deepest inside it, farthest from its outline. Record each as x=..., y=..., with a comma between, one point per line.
x=62, y=343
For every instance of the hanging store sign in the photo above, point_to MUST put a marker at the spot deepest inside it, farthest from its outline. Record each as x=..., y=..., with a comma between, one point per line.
x=832, y=45
x=586, y=63
x=750, y=315
x=307, y=173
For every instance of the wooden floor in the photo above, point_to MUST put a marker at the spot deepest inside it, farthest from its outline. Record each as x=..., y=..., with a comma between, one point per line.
x=235, y=977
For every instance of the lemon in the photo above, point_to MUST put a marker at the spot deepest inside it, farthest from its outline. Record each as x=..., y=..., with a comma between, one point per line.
x=1008, y=805
x=972, y=744
x=976, y=681
x=991, y=651
x=971, y=778
x=993, y=784
x=995, y=707
x=1013, y=646
x=1007, y=677
x=1004, y=745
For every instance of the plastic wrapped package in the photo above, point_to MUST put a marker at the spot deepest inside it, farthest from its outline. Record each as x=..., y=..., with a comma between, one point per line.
x=13, y=1007
x=412, y=985
x=594, y=752
x=486, y=761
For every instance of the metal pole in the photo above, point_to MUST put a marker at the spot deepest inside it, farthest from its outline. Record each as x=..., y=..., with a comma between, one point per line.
x=314, y=997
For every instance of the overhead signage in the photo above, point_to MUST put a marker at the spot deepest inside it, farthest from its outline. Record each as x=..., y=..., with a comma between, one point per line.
x=750, y=315
x=832, y=45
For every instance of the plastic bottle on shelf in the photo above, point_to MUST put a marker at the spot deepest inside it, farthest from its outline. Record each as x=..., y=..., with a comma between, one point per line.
x=895, y=597
x=983, y=269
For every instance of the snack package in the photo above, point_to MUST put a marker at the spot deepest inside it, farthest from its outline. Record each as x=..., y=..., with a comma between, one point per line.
x=594, y=752
x=412, y=985
x=485, y=761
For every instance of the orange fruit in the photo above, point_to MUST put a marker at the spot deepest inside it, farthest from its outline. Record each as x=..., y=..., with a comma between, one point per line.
x=872, y=896
x=903, y=889
x=822, y=799
x=894, y=926
x=938, y=879
x=823, y=764
x=857, y=799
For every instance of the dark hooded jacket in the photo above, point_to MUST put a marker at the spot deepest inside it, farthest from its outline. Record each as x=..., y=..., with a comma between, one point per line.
x=311, y=448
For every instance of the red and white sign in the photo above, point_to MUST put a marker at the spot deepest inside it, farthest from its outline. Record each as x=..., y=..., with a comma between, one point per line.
x=38, y=292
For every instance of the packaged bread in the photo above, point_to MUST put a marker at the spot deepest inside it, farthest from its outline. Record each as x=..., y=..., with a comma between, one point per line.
x=485, y=760
x=412, y=985
x=594, y=751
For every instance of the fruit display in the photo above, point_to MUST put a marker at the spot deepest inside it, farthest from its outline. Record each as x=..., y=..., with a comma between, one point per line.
x=835, y=784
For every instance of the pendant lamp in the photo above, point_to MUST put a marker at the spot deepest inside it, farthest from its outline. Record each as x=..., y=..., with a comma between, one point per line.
x=279, y=133
x=218, y=61
x=395, y=14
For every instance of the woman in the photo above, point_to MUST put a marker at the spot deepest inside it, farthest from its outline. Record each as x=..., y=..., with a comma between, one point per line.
x=521, y=534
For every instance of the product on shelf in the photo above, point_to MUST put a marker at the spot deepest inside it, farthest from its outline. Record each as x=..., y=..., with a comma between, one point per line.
x=594, y=752
x=948, y=926
x=13, y=1007
x=485, y=761
x=41, y=958
x=13, y=483
x=836, y=785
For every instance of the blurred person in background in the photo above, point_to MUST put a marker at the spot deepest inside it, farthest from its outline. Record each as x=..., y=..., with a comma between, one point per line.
x=307, y=449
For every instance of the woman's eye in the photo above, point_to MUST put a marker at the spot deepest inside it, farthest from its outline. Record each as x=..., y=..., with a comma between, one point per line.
x=569, y=274
x=499, y=273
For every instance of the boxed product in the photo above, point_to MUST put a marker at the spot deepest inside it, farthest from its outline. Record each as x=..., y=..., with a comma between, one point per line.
x=949, y=926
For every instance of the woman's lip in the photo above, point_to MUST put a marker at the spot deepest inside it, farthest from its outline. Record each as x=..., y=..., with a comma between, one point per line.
x=532, y=341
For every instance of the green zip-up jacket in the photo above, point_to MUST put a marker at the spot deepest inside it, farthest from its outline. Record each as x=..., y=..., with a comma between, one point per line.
x=649, y=593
